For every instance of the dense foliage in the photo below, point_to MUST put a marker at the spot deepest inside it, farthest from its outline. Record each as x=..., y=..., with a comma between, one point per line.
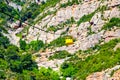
x=16, y=65
x=57, y=42
x=19, y=2
x=8, y=10
x=33, y=46
x=34, y=9
x=42, y=74
x=10, y=56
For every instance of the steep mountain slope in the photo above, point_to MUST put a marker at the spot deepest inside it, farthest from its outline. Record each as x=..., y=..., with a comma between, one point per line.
x=40, y=28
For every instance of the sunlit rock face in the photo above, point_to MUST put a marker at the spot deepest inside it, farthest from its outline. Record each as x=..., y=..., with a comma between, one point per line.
x=89, y=25
x=106, y=74
x=75, y=11
x=86, y=35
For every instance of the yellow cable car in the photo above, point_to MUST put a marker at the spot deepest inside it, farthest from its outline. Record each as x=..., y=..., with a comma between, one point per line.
x=69, y=41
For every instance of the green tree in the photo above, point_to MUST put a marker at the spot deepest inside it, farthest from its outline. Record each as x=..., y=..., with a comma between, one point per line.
x=3, y=68
x=27, y=63
x=12, y=53
x=22, y=44
x=16, y=66
x=36, y=45
x=2, y=52
x=4, y=41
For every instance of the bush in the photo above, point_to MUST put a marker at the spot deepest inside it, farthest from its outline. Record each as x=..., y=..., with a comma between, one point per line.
x=3, y=68
x=33, y=46
x=36, y=45
x=27, y=63
x=57, y=42
x=6, y=9
x=68, y=70
x=12, y=53
x=22, y=44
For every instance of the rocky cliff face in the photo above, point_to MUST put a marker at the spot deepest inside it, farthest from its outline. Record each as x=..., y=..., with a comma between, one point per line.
x=89, y=17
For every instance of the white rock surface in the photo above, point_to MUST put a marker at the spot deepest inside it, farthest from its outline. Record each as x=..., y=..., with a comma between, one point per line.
x=15, y=6
x=103, y=75
x=111, y=35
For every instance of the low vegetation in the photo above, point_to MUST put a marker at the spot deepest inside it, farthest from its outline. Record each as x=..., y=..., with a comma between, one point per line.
x=57, y=42
x=70, y=3
x=113, y=22
x=33, y=46
x=104, y=58
x=85, y=18
x=59, y=55
x=60, y=41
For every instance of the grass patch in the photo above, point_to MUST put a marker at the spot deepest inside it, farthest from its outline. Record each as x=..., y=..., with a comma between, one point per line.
x=60, y=55
x=59, y=42
x=86, y=18
x=113, y=22
x=70, y=3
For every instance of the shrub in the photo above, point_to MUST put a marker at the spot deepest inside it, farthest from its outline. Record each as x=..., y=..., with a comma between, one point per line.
x=4, y=41
x=36, y=45
x=22, y=44
x=57, y=42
